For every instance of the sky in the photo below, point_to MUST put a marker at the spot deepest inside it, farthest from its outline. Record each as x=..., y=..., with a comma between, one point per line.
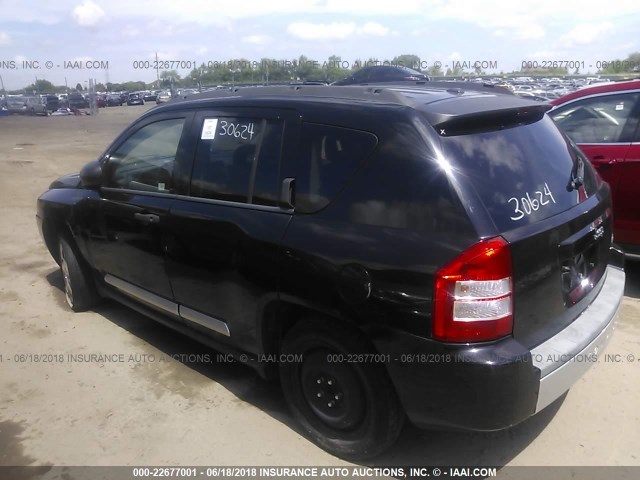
x=52, y=40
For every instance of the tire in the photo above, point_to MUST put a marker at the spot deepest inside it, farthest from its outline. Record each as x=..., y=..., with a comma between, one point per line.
x=362, y=416
x=79, y=290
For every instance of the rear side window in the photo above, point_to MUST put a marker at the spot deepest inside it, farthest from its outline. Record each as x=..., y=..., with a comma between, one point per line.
x=522, y=174
x=601, y=119
x=238, y=160
x=328, y=157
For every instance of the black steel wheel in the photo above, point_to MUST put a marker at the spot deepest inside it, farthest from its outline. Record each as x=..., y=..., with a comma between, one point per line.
x=348, y=408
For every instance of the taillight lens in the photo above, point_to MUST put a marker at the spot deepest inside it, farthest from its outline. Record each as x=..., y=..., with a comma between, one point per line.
x=473, y=299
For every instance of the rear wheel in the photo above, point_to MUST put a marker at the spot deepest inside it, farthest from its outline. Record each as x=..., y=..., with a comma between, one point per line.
x=79, y=290
x=350, y=409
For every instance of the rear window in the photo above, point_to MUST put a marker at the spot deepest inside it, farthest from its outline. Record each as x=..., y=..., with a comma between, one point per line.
x=522, y=174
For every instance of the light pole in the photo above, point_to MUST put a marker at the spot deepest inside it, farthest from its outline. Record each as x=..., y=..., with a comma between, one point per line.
x=4, y=92
x=233, y=76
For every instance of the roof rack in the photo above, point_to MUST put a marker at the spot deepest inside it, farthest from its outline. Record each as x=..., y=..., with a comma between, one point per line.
x=385, y=92
x=365, y=93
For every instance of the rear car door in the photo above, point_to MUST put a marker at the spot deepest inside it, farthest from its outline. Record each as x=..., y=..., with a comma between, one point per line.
x=603, y=126
x=127, y=235
x=226, y=230
x=627, y=198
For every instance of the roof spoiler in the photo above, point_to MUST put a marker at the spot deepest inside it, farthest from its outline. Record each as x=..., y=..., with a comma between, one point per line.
x=478, y=121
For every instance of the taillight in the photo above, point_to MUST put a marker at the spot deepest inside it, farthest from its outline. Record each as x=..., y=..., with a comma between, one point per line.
x=473, y=300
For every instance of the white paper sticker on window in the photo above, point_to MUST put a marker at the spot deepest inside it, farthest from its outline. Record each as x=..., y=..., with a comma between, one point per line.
x=620, y=106
x=209, y=129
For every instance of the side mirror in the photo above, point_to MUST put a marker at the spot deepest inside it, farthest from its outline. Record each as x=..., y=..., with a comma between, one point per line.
x=91, y=175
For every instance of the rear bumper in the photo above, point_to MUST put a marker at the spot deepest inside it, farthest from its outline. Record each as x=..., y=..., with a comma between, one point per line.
x=565, y=357
x=494, y=386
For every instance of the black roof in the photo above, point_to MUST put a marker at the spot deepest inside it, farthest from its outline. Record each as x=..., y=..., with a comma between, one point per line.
x=440, y=102
x=383, y=91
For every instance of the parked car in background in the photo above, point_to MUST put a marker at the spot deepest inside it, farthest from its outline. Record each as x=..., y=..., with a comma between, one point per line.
x=114, y=100
x=36, y=106
x=77, y=101
x=149, y=96
x=604, y=121
x=135, y=99
x=435, y=254
x=63, y=111
x=16, y=104
x=27, y=105
x=163, y=97
x=53, y=102
x=380, y=73
x=530, y=96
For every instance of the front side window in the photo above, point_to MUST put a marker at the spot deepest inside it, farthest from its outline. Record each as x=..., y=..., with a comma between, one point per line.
x=146, y=159
x=238, y=160
x=602, y=119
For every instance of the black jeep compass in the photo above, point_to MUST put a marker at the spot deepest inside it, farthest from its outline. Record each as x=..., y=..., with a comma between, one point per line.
x=413, y=251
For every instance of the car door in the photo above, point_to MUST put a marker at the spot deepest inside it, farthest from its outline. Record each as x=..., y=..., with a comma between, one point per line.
x=224, y=253
x=627, y=211
x=127, y=238
x=603, y=126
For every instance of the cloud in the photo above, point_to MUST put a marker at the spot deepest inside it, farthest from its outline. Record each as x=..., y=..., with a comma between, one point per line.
x=88, y=14
x=335, y=31
x=5, y=39
x=321, y=31
x=257, y=39
x=586, y=33
x=530, y=32
x=547, y=54
x=373, y=28
x=130, y=31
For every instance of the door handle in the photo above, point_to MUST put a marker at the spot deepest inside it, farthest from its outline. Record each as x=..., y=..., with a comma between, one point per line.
x=147, y=218
x=288, y=193
x=602, y=161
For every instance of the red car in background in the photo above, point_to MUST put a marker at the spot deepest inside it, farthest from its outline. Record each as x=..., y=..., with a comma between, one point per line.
x=604, y=120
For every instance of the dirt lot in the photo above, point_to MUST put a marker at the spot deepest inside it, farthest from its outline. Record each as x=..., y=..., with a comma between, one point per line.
x=155, y=410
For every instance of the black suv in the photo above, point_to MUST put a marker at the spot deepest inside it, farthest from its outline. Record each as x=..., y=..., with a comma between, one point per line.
x=426, y=252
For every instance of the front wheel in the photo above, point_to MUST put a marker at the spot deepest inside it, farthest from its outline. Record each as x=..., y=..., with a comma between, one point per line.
x=79, y=290
x=349, y=409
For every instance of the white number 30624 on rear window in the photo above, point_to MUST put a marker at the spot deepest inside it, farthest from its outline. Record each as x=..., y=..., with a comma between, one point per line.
x=531, y=202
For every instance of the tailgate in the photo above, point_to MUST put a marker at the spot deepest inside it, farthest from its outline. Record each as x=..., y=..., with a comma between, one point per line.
x=542, y=196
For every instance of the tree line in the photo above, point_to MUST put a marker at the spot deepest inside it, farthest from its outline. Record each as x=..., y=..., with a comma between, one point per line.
x=270, y=70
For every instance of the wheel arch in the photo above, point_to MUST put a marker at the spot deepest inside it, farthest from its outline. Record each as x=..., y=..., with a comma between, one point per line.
x=53, y=227
x=279, y=316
